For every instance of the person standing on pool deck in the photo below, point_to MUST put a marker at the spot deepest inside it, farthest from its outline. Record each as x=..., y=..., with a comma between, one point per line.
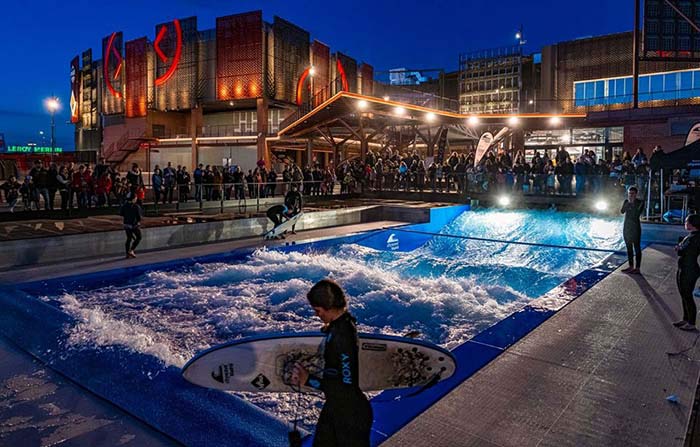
x=632, y=230
x=132, y=212
x=294, y=202
x=688, y=272
x=346, y=417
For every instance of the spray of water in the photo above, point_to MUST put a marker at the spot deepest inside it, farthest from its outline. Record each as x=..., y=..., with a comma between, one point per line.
x=449, y=290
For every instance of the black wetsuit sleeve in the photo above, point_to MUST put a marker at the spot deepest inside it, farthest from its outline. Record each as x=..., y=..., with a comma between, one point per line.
x=340, y=373
x=625, y=204
x=688, y=252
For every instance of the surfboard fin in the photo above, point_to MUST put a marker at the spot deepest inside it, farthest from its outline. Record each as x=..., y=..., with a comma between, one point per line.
x=413, y=334
x=294, y=438
x=431, y=383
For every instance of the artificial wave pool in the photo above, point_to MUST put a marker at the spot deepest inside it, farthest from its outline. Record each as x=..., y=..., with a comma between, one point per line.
x=447, y=287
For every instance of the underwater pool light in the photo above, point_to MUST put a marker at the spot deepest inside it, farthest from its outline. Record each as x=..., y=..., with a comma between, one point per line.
x=504, y=201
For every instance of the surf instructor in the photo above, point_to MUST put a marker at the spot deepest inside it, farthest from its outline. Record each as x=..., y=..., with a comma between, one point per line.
x=632, y=208
x=346, y=417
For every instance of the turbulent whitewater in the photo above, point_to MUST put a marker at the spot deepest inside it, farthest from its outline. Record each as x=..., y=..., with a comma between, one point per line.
x=449, y=289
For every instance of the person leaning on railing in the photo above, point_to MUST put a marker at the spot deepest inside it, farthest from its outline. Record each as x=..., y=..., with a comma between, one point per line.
x=169, y=181
x=198, y=176
x=271, y=182
x=183, y=182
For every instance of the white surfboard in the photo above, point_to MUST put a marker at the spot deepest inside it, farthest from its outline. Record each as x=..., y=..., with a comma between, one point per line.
x=284, y=226
x=264, y=364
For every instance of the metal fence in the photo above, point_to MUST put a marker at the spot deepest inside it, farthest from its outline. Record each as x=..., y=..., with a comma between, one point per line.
x=249, y=197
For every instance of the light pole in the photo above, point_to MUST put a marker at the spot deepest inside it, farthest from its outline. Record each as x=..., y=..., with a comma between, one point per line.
x=519, y=36
x=52, y=104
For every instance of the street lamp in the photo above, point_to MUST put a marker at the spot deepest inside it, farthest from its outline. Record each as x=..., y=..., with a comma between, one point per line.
x=519, y=36
x=53, y=105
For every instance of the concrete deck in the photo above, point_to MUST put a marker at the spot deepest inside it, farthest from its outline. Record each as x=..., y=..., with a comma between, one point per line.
x=596, y=374
x=38, y=407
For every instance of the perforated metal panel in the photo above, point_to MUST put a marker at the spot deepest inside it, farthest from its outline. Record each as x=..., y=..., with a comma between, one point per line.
x=597, y=58
x=350, y=67
x=112, y=75
x=666, y=33
x=239, y=56
x=366, y=79
x=176, y=90
x=291, y=58
x=136, y=77
x=320, y=59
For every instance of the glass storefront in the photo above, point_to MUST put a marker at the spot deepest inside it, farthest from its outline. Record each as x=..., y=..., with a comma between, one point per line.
x=605, y=142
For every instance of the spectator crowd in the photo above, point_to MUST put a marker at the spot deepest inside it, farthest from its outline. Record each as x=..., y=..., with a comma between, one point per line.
x=82, y=186
x=501, y=172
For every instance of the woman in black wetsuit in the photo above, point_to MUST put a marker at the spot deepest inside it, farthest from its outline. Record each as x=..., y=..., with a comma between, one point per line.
x=346, y=418
x=688, y=271
x=632, y=230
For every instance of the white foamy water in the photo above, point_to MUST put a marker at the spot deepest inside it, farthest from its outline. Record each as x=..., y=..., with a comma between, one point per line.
x=449, y=290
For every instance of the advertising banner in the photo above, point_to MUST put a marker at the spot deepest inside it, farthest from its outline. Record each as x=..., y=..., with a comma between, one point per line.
x=75, y=90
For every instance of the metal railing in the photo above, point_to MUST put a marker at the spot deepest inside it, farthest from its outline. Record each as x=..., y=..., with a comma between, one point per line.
x=256, y=196
x=242, y=195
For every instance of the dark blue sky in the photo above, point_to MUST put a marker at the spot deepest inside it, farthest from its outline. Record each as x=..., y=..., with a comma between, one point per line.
x=38, y=38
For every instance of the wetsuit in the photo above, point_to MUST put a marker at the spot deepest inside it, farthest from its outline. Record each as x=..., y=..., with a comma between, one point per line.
x=132, y=224
x=346, y=417
x=688, y=273
x=276, y=213
x=632, y=231
x=294, y=202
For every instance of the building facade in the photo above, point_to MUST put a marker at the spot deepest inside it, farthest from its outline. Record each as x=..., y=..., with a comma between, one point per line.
x=193, y=96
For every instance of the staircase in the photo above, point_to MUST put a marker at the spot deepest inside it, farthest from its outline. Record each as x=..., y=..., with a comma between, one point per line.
x=118, y=151
x=310, y=104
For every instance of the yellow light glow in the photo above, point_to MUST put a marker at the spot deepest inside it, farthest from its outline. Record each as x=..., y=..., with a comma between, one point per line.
x=399, y=110
x=52, y=104
x=473, y=121
x=362, y=104
x=430, y=117
x=555, y=121
x=513, y=121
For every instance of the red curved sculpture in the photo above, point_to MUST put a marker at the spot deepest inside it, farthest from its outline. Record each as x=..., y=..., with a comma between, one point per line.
x=105, y=66
x=178, y=52
x=300, y=85
x=343, y=78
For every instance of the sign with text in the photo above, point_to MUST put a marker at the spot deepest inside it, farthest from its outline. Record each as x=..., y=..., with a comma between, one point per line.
x=34, y=150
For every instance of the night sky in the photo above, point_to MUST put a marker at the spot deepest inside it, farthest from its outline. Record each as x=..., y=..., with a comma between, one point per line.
x=39, y=38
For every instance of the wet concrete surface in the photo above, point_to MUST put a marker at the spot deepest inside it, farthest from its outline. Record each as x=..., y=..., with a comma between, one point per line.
x=39, y=407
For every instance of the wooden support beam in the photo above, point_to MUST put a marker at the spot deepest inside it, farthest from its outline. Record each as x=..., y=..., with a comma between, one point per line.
x=347, y=126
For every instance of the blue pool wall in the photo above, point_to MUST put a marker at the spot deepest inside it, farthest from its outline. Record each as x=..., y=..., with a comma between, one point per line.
x=142, y=386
